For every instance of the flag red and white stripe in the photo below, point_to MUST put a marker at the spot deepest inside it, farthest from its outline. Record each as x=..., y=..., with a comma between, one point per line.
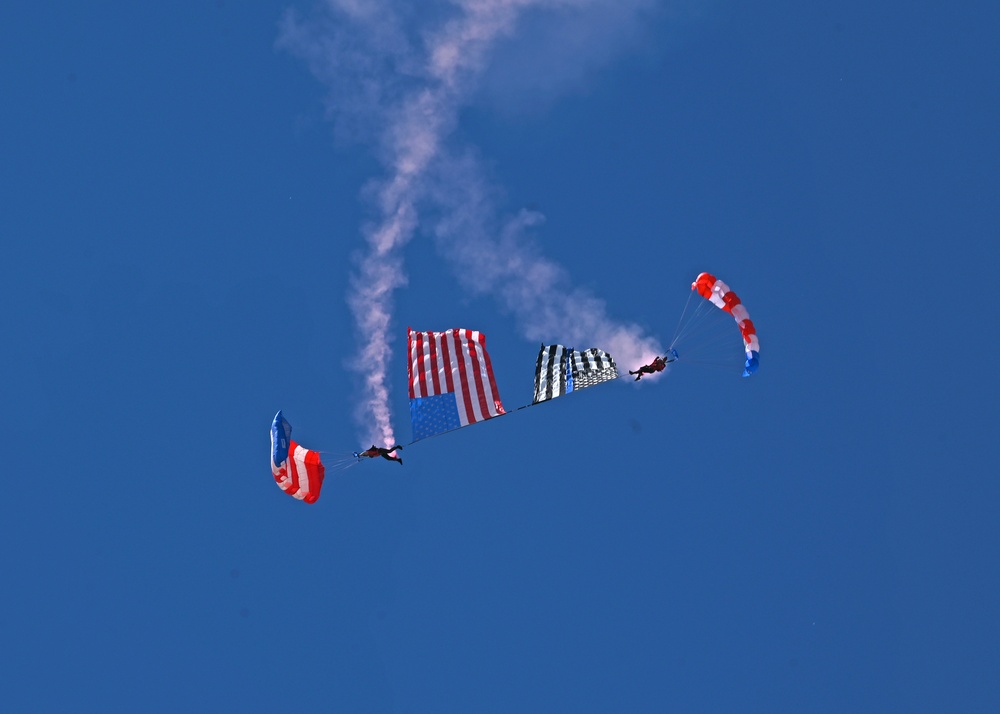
x=454, y=361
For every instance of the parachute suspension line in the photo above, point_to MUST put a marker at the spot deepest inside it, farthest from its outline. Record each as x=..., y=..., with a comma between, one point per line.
x=694, y=324
x=689, y=321
x=707, y=321
x=339, y=462
x=708, y=329
x=681, y=320
x=722, y=366
x=707, y=335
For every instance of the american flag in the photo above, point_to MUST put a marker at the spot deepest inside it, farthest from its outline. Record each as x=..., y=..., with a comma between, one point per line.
x=451, y=381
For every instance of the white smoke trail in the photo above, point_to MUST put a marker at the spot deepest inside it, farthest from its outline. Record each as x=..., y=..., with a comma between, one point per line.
x=511, y=268
x=398, y=73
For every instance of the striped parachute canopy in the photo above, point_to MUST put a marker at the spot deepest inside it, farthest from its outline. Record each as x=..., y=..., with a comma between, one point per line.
x=719, y=294
x=560, y=370
x=297, y=470
x=451, y=381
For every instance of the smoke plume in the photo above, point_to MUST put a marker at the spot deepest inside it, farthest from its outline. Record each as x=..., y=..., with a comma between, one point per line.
x=398, y=73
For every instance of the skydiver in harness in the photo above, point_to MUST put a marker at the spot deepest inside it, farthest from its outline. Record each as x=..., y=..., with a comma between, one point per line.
x=657, y=365
x=379, y=451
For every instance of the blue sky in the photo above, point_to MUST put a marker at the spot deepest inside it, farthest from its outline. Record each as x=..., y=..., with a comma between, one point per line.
x=185, y=191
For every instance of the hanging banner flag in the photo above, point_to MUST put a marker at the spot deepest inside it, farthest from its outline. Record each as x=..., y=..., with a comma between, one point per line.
x=451, y=381
x=560, y=370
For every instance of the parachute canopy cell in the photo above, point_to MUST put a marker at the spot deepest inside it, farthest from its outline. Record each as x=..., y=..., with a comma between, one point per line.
x=560, y=370
x=719, y=294
x=451, y=381
x=298, y=471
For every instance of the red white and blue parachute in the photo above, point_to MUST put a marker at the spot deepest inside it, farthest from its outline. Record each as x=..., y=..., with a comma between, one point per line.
x=719, y=294
x=298, y=471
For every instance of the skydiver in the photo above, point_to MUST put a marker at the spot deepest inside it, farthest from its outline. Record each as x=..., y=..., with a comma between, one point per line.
x=657, y=365
x=384, y=453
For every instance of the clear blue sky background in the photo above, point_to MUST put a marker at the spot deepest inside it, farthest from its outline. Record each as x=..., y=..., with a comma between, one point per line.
x=177, y=221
